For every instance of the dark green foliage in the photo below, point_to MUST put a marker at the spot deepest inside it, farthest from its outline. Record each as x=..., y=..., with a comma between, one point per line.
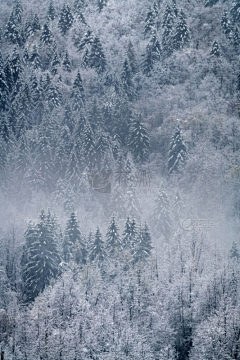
x=138, y=141
x=65, y=19
x=41, y=259
x=177, y=152
x=46, y=36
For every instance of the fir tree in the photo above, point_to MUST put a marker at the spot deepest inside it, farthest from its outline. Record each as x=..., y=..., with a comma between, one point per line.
x=234, y=251
x=138, y=141
x=51, y=13
x=35, y=59
x=97, y=58
x=177, y=152
x=226, y=25
x=17, y=12
x=66, y=64
x=36, y=24
x=127, y=80
x=97, y=253
x=235, y=11
x=89, y=146
x=132, y=203
x=16, y=66
x=143, y=247
x=152, y=55
x=150, y=22
x=77, y=94
x=181, y=36
x=129, y=235
x=54, y=64
x=161, y=217
x=168, y=28
x=131, y=56
x=41, y=258
x=87, y=39
x=12, y=32
x=65, y=20
x=76, y=244
x=215, y=52
x=46, y=37
x=113, y=240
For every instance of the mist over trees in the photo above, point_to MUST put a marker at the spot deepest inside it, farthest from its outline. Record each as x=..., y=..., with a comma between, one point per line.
x=119, y=179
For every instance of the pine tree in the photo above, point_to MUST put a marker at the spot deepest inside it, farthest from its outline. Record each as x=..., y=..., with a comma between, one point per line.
x=138, y=141
x=226, y=25
x=113, y=240
x=65, y=20
x=35, y=59
x=77, y=94
x=127, y=80
x=97, y=253
x=97, y=58
x=54, y=64
x=215, y=52
x=36, y=24
x=150, y=22
x=152, y=55
x=46, y=37
x=76, y=244
x=234, y=251
x=66, y=64
x=41, y=258
x=143, y=247
x=235, y=11
x=181, y=36
x=177, y=152
x=131, y=56
x=51, y=13
x=161, y=217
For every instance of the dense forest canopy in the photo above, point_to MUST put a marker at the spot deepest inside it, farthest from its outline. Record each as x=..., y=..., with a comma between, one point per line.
x=119, y=179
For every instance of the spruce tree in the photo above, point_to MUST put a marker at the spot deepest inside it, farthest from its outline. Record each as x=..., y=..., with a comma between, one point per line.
x=152, y=55
x=143, y=247
x=54, y=64
x=35, y=59
x=101, y=4
x=66, y=64
x=97, y=58
x=127, y=80
x=87, y=39
x=234, y=251
x=168, y=30
x=97, y=253
x=131, y=56
x=65, y=20
x=51, y=13
x=235, y=11
x=226, y=25
x=77, y=94
x=12, y=32
x=161, y=219
x=138, y=141
x=149, y=22
x=17, y=12
x=89, y=146
x=46, y=37
x=113, y=240
x=181, y=35
x=75, y=240
x=36, y=24
x=41, y=258
x=215, y=52
x=177, y=152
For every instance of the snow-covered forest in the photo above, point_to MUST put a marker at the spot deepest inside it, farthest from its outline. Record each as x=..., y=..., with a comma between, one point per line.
x=119, y=179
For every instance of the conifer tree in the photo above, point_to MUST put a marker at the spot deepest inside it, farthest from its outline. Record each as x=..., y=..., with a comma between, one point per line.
x=149, y=22
x=162, y=223
x=226, y=25
x=138, y=141
x=143, y=247
x=97, y=58
x=54, y=64
x=235, y=11
x=236, y=39
x=36, y=24
x=234, y=251
x=51, y=13
x=77, y=94
x=41, y=258
x=12, y=32
x=177, y=152
x=97, y=253
x=181, y=36
x=66, y=19
x=35, y=59
x=168, y=29
x=210, y=3
x=131, y=56
x=152, y=55
x=113, y=240
x=101, y=4
x=66, y=64
x=46, y=37
x=127, y=80
x=215, y=52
